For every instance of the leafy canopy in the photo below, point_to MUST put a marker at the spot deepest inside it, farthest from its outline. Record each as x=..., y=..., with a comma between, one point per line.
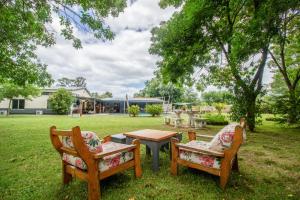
x=26, y=24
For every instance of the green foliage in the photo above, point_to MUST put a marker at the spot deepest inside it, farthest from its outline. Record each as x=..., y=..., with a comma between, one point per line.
x=134, y=110
x=156, y=88
x=11, y=90
x=217, y=97
x=285, y=54
x=219, y=107
x=61, y=101
x=25, y=25
x=67, y=82
x=154, y=109
x=212, y=119
x=207, y=38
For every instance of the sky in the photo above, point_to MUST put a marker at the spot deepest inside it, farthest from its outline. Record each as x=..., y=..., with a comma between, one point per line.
x=120, y=66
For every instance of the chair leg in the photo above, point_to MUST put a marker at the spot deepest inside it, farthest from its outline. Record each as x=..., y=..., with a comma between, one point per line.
x=67, y=178
x=137, y=159
x=174, y=164
x=93, y=188
x=235, y=165
x=223, y=180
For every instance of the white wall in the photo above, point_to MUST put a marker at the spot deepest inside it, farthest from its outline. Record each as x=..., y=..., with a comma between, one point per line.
x=36, y=102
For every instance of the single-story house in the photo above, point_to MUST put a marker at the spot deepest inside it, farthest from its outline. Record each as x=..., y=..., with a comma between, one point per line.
x=40, y=104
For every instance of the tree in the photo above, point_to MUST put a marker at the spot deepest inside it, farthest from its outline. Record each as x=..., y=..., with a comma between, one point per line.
x=156, y=88
x=285, y=54
x=217, y=97
x=134, y=110
x=223, y=43
x=154, y=109
x=61, y=101
x=67, y=82
x=10, y=91
x=189, y=96
x=279, y=99
x=106, y=94
x=219, y=107
x=25, y=24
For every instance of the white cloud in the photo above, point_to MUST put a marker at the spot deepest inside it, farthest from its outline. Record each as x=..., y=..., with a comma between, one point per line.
x=120, y=66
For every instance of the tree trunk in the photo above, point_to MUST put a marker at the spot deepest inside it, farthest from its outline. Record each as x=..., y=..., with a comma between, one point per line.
x=292, y=111
x=8, y=109
x=251, y=111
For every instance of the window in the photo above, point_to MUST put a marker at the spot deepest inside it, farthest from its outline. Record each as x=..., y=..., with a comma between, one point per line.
x=48, y=104
x=18, y=104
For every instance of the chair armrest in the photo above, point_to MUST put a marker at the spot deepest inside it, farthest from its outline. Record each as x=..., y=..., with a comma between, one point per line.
x=201, y=150
x=103, y=154
x=205, y=136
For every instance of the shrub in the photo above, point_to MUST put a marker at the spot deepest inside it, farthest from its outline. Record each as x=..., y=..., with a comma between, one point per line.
x=134, y=110
x=216, y=119
x=219, y=107
x=154, y=110
x=61, y=101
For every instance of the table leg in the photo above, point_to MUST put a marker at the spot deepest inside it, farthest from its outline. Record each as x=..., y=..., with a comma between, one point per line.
x=155, y=161
x=148, y=151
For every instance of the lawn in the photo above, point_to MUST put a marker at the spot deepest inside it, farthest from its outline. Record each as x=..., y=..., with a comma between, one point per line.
x=31, y=169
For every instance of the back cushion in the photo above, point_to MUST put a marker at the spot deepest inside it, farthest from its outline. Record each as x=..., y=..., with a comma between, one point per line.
x=224, y=138
x=90, y=139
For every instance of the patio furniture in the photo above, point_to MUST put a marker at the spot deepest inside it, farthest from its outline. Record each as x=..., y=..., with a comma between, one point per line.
x=216, y=157
x=85, y=157
x=167, y=120
x=154, y=140
x=178, y=122
x=119, y=138
x=200, y=123
x=191, y=114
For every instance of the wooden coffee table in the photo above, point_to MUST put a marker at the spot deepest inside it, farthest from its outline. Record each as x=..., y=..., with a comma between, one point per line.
x=153, y=139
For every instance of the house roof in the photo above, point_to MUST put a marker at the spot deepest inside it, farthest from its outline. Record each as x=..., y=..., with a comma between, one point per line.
x=71, y=89
x=139, y=99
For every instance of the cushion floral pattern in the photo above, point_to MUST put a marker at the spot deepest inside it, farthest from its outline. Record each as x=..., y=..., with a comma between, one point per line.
x=223, y=139
x=202, y=159
x=107, y=162
x=90, y=138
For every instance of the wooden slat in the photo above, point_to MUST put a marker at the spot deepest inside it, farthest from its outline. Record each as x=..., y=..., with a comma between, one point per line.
x=200, y=167
x=69, y=151
x=119, y=168
x=75, y=172
x=102, y=154
x=199, y=150
x=62, y=132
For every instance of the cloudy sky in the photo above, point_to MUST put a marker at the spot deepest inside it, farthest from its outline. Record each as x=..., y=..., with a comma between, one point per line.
x=120, y=66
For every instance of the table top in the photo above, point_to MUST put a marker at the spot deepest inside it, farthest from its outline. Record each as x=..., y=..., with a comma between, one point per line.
x=150, y=134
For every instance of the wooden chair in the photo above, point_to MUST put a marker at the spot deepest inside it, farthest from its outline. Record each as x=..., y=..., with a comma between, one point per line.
x=216, y=162
x=86, y=164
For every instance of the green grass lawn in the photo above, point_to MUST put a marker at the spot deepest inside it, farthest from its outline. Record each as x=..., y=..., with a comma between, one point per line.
x=30, y=168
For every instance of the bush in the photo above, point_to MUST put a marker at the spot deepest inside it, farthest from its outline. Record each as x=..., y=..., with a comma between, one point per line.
x=154, y=109
x=61, y=101
x=216, y=119
x=219, y=107
x=134, y=110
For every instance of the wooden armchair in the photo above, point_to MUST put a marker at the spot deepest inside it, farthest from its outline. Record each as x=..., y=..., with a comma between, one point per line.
x=85, y=157
x=217, y=157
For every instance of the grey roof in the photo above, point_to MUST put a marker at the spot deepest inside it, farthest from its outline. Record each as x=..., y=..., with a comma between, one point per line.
x=139, y=99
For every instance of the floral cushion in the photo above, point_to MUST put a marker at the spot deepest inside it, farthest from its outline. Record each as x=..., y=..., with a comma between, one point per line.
x=202, y=159
x=90, y=139
x=195, y=157
x=223, y=139
x=105, y=163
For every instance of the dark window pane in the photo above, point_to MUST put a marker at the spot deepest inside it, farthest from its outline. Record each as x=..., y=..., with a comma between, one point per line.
x=21, y=103
x=15, y=103
x=48, y=104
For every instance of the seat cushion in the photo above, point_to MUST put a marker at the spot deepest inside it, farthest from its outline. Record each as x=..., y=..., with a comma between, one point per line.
x=106, y=162
x=202, y=159
x=90, y=139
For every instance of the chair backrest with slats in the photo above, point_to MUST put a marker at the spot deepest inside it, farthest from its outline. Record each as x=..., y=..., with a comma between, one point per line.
x=56, y=139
